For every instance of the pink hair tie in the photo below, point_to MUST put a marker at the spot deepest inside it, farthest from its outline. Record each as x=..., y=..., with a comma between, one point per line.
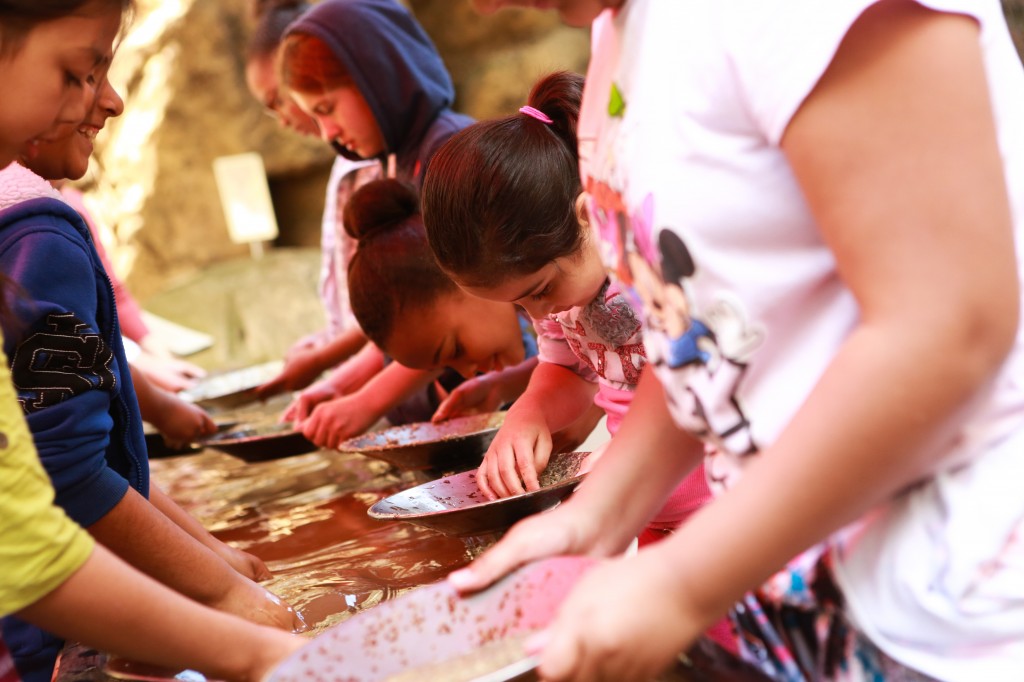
x=535, y=113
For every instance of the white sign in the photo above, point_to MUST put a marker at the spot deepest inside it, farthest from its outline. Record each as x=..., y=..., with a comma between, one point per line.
x=245, y=196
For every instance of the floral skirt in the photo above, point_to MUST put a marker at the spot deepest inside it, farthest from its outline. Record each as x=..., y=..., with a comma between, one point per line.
x=799, y=633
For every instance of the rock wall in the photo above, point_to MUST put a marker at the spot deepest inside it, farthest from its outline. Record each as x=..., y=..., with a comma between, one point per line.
x=181, y=72
x=181, y=68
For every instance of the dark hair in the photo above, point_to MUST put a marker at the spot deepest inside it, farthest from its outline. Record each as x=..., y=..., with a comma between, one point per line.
x=308, y=65
x=272, y=19
x=19, y=17
x=392, y=271
x=499, y=198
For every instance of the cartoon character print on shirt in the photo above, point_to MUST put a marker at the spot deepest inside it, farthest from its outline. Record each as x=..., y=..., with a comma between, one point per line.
x=614, y=325
x=61, y=362
x=707, y=355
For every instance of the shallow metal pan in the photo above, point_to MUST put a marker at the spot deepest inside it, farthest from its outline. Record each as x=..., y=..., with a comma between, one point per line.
x=454, y=504
x=434, y=625
x=260, y=441
x=454, y=445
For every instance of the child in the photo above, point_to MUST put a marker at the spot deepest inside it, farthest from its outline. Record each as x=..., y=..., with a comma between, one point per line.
x=332, y=64
x=408, y=306
x=69, y=368
x=51, y=571
x=308, y=357
x=179, y=422
x=823, y=186
x=508, y=234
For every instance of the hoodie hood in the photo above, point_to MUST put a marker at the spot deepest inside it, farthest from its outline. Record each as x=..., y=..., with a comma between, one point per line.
x=391, y=60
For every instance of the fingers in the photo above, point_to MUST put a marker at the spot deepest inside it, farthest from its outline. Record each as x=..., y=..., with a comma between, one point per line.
x=207, y=427
x=259, y=569
x=271, y=388
x=524, y=543
x=447, y=409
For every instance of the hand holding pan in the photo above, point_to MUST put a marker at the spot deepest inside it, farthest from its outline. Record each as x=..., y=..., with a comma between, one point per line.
x=434, y=631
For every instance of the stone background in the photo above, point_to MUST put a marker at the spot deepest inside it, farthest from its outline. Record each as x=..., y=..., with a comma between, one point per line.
x=151, y=186
x=181, y=71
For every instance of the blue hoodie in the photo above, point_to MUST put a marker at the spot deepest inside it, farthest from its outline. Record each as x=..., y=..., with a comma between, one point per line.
x=398, y=71
x=69, y=370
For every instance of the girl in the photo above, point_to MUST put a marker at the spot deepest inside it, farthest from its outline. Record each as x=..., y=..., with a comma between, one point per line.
x=502, y=210
x=378, y=90
x=311, y=355
x=821, y=200
x=408, y=306
x=51, y=571
x=73, y=383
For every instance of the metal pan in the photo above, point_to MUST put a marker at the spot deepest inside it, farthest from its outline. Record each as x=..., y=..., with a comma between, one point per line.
x=227, y=390
x=454, y=504
x=257, y=442
x=454, y=445
x=157, y=448
x=433, y=625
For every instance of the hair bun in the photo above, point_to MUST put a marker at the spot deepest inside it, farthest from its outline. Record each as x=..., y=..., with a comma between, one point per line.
x=379, y=206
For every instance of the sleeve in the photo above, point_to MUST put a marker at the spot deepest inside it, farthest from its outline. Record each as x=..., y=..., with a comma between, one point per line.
x=40, y=547
x=62, y=366
x=781, y=50
x=553, y=347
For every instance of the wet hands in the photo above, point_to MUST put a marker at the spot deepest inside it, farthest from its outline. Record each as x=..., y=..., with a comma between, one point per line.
x=257, y=604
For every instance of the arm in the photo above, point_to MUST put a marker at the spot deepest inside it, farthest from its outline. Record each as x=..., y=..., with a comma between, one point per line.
x=640, y=468
x=349, y=377
x=250, y=566
x=177, y=421
x=340, y=419
x=874, y=412
x=108, y=605
x=302, y=367
x=142, y=535
x=555, y=398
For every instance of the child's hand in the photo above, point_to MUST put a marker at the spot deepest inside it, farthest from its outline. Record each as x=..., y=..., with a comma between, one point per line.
x=338, y=420
x=302, y=406
x=181, y=423
x=169, y=373
x=300, y=370
x=567, y=529
x=249, y=565
x=257, y=604
x=632, y=638
x=519, y=451
x=474, y=396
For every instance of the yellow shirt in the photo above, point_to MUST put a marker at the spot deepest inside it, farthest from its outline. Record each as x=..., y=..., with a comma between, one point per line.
x=40, y=547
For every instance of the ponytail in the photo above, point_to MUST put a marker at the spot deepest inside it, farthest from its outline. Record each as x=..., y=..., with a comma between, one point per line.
x=499, y=197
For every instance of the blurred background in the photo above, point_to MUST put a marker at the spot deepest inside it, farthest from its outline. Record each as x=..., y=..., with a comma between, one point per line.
x=151, y=186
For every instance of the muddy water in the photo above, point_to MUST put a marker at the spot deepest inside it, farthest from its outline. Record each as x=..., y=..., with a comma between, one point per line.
x=306, y=518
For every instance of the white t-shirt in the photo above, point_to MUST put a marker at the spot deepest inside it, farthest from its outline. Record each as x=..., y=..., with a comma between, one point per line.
x=684, y=107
